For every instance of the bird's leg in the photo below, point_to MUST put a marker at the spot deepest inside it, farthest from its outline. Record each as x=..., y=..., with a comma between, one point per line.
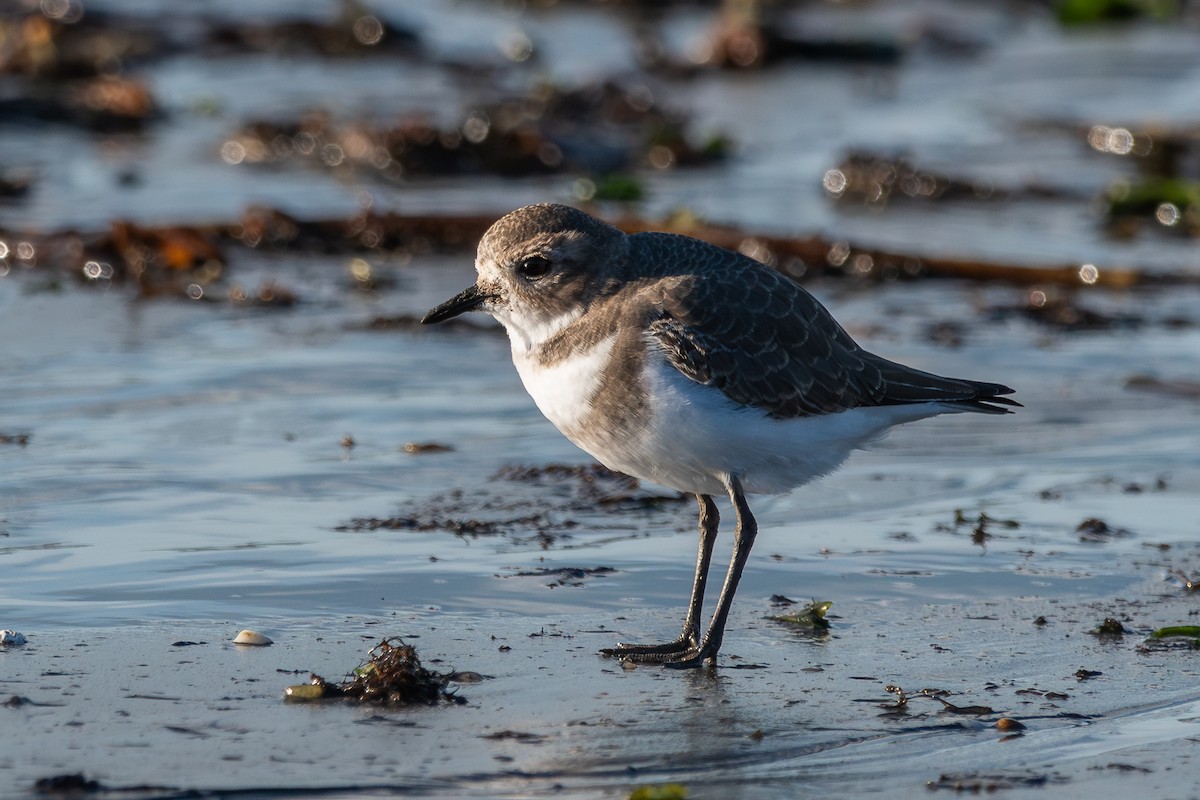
x=743, y=540
x=689, y=637
x=710, y=519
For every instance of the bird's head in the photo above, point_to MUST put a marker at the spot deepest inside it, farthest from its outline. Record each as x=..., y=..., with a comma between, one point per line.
x=539, y=267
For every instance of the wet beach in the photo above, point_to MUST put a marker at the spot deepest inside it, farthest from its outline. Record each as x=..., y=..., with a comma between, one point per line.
x=218, y=230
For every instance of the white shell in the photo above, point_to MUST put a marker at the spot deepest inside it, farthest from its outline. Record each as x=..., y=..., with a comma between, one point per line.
x=251, y=638
x=11, y=637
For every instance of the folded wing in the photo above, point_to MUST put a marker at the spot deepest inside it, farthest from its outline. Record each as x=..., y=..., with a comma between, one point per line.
x=782, y=351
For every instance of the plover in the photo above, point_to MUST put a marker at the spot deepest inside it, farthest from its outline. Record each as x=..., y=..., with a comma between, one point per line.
x=693, y=367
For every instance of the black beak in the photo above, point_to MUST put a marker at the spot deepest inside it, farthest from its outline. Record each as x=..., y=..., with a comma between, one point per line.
x=468, y=299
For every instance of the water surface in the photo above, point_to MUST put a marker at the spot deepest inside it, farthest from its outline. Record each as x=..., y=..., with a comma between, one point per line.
x=189, y=471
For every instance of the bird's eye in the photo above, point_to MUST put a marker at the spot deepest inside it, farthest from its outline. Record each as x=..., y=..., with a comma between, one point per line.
x=534, y=268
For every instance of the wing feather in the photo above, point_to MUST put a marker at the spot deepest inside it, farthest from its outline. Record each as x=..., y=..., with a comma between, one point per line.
x=727, y=321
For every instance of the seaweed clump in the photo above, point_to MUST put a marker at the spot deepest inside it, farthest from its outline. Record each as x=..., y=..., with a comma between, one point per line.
x=391, y=676
x=810, y=617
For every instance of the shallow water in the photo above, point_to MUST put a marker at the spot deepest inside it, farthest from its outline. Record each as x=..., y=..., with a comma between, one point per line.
x=185, y=474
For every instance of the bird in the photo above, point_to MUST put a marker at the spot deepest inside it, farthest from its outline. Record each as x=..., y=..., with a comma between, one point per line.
x=693, y=367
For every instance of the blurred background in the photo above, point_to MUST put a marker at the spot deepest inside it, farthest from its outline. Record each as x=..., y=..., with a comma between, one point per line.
x=1021, y=132
x=220, y=222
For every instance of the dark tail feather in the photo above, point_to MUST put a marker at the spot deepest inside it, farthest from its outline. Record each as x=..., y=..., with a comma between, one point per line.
x=987, y=399
x=904, y=385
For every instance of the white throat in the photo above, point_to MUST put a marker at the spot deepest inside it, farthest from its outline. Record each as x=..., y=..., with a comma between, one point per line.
x=525, y=334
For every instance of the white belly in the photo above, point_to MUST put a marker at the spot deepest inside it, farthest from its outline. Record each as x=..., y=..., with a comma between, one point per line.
x=696, y=435
x=693, y=434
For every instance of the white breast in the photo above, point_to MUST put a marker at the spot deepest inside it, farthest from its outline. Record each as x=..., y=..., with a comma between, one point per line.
x=563, y=391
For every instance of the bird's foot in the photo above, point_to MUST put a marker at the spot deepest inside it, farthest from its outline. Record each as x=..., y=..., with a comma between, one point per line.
x=649, y=652
x=684, y=653
x=692, y=659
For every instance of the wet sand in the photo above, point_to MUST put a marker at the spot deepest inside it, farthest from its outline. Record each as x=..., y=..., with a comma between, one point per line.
x=289, y=453
x=130, y=707
x=926, y=594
